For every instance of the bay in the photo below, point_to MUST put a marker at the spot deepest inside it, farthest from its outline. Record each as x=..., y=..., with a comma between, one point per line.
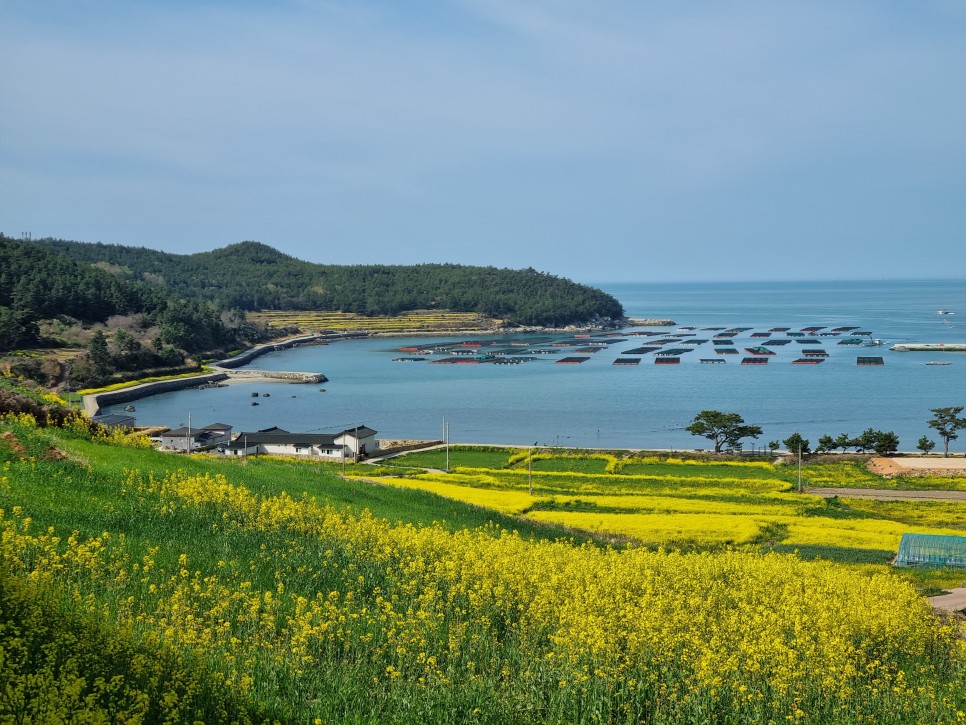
x=598, y=404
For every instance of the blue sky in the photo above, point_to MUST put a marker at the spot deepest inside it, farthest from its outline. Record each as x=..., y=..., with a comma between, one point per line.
x=603, y=141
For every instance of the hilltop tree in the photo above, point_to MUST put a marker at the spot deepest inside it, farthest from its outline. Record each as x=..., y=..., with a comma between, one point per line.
x=722, y=428
x=947, y=424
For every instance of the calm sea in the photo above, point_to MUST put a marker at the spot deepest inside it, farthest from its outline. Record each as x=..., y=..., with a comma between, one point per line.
x=597, y=404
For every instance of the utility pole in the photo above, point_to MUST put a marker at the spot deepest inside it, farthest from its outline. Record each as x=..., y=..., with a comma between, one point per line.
x=799, y=467
x=446, y=434
x=530, y=471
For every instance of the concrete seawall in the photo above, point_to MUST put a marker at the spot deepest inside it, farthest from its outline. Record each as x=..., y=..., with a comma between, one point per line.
x=259, y=350
x=94, y=402
x=223, y=370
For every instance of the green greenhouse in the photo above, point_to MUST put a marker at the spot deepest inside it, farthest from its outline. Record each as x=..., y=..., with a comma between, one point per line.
x=931, y=550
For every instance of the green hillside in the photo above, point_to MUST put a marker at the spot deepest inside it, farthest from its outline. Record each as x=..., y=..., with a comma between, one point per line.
x=137, y=586
x=253, y=276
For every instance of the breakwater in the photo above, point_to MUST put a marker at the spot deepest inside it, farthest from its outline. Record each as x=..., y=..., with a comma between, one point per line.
x=223, y=370
x=929, y=347
x=284, y=376
x=246, y=357
x=650, y=322
x=94, y=402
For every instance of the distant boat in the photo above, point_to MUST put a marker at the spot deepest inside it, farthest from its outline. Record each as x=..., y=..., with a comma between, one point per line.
x=875, y=342
x=938, y=362
x=944, y=312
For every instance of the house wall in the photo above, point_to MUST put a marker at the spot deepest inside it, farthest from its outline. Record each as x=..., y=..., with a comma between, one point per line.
x=290, y=450
x=357, y=445
x=177, y=442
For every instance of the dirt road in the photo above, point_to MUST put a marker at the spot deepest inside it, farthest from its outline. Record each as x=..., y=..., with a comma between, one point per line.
x=881, y=494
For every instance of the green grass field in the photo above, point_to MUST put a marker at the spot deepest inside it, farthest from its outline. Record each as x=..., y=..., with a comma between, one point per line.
x=141, y=586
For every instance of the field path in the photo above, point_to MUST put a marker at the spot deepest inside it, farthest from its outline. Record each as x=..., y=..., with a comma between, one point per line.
x=881, y=494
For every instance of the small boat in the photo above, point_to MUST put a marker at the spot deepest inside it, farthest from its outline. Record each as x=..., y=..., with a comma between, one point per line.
x=944, y=312
x=128, y=408
x=938, y=362
x=254, y=403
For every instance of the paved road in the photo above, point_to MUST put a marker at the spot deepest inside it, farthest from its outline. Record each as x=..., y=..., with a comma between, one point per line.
x=955, y=601
x=881, y=494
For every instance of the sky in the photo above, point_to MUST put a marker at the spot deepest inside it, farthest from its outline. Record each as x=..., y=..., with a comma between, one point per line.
x=603, y=141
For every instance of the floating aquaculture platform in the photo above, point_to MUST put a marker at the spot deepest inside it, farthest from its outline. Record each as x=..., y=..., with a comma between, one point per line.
x=808, y=361
x=641, y=350
x=667, y=360
x=725, y=351
x=759, y=351
x=864, y=360
x=627, y=361
x=754, y=361
x=572, y=360
x=713, y=360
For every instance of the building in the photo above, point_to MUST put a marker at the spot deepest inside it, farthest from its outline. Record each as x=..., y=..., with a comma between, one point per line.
x=351, y=443
x=115, y=420
x=193, y=439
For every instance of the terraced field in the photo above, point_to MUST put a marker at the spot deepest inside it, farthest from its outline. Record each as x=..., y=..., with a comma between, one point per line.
x=416, y=322
x=688, y=503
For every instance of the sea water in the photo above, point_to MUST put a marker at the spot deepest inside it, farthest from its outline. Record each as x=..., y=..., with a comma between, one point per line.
x=598, y=404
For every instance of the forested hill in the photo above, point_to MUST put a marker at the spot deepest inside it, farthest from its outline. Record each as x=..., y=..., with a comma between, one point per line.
x=253, y=276
x=37, y=283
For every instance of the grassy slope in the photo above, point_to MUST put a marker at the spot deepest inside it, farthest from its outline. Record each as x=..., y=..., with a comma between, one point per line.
x=82, y=494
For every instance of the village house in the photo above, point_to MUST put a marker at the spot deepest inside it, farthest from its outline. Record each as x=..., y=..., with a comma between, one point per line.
x=350, y=443
x=193, y=439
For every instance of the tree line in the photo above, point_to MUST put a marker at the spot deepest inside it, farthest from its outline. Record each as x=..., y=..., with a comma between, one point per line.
x=727, y=430
x=253, y=276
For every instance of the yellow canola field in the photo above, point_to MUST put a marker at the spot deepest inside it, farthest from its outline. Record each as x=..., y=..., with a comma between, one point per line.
x=853, y=533
x=773, y=637
x=507, y=502
x=605, y=483
x=664, y=528
x=676, y=511
x=775, y=505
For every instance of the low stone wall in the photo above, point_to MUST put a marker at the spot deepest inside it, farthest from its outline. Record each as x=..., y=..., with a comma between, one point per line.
x=94, y=402
x=393, y=447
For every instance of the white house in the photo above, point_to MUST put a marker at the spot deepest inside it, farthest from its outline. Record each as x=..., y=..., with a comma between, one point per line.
x=350, y=443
